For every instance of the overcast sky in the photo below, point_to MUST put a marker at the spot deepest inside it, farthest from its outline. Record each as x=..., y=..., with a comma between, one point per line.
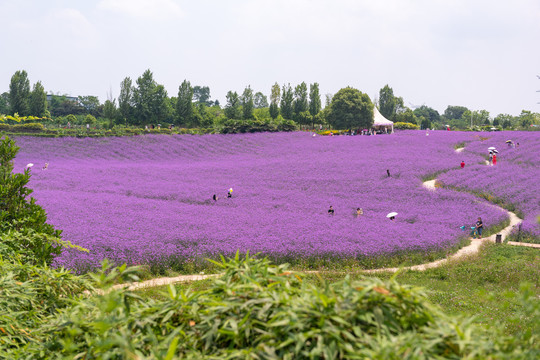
x=482, y=54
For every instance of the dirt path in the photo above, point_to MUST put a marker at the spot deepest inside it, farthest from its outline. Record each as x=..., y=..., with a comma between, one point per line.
x=473, y=248
x=458, y=150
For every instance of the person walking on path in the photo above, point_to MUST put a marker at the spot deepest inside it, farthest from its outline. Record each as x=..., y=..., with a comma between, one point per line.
x=494, y=159
x=462, y=164
x=478, y=228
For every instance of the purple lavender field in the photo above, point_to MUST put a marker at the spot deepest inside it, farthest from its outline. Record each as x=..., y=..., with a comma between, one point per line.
x=514, y=181
x=148, y=199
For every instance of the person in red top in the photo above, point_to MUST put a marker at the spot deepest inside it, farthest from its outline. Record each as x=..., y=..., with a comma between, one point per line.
x=494, y=159
x=462, y=164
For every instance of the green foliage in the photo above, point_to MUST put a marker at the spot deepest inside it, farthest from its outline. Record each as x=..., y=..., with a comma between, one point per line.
x=201, y=94
x=247, y=103
x=232, y=108
x=258, y=311
x=300, y=103
x=184, y=105
x=287, y=102
x=314, y=99
x=19, y=93
x=29, y=295
x=350, y=109
x=149, y=99
x=428, y=113
x=90, y=119
x=387, y=102
x=454, y=112
x=38, y=100
x=251, y=126
x=260, y=100
x=405, y=126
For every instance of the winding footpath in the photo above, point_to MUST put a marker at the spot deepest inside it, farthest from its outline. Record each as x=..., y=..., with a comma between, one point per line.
x=430, y=185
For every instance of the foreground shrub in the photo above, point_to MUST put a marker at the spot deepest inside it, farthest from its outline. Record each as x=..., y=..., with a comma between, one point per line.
x=259, y=311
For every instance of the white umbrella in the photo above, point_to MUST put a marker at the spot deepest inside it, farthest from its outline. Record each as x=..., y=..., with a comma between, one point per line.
x=492, y=148
x=391, y=214
x=495, y=151
x=29, y=165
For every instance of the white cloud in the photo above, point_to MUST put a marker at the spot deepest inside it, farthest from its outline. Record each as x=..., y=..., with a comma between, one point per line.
x=147, y=9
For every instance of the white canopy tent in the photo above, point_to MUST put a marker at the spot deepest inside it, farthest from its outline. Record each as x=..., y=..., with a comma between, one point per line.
x=380, y=121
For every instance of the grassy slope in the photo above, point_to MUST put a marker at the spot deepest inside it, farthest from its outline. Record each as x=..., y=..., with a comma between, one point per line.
x=482, y=285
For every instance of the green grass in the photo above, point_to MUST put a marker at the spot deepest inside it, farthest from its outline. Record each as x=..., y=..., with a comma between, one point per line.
x=483, y=285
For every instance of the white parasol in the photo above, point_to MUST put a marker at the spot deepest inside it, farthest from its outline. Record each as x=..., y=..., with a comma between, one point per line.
x=29, y=165
x=392, y=214
x=492, y=148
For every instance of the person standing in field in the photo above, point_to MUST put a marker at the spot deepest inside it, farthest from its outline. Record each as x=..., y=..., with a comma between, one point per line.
x=494, y=159
x=490, y=158
x=229, y=193
x=478, y=228
x=215, y=197
x=359, y=211
x=331, y=210
x=462, y=164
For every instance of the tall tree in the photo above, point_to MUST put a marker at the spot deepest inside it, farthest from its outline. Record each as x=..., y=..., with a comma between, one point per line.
x=350, y=109
x=314, y=99
x=275, y=94
x=125, y=100
x=201, y=94
x=260, y=100
x=247, y=103
x=38, y=100
x=287, y=100
x=387, y=102
x=109, y=109
x=301, y=103
x=90, y=104
x=4, y=103
x=232, y=108
x=184, y=104
x=149, y=99
x=19, y=93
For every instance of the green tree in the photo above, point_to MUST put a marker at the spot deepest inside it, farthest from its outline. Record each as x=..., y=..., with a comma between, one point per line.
x=301, y=101
x=275, y=94
x=184, y=104
x=260, y=100
x=406, y=116
x=19, y=93
x=90, y=104
x=350, y=109
x=314, y=99
x=125, y=100
x=247, y=103
x=201, y=94
x=38, y=100
x=232, y=108
x=505, y=120
x=4, y=103
x=150, y=100
x=428, y=113
x=454, y=112
x=109, y=110
x=387, y=102
x=287, y=103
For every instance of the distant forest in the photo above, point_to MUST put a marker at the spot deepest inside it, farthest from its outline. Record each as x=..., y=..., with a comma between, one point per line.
x=144, y=102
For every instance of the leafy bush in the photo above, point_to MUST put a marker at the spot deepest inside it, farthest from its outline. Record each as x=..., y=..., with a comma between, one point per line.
x=259, y=311
x=405, y=126
x=29, y=294
x=252, y=126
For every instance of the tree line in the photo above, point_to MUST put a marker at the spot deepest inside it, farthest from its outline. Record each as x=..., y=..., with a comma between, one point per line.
x=144, y=101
